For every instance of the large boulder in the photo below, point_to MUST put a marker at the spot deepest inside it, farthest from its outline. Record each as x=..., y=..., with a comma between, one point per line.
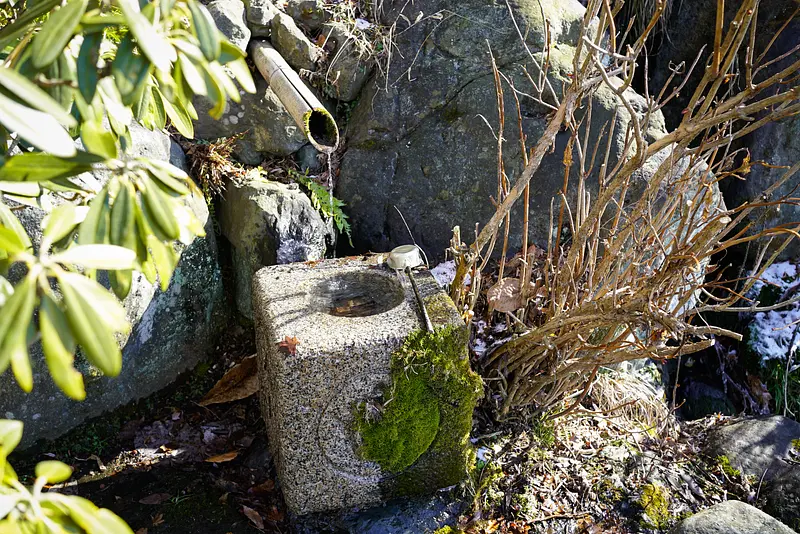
x=171, y=331
x=268, y=223
x=260, y=118
x=423, y=145
x=783, y=495
x=756, y=446
x=732, y=517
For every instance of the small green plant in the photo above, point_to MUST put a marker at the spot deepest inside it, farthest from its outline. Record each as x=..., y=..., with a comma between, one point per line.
x=725, y=466
x=325, y=203
x=32, y=509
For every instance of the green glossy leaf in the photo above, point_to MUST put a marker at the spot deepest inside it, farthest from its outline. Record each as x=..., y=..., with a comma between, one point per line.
x=53, y=471
x=39, y=129
x=130, y=70
x=15, y=345
x=119, y=115
x=242, y=74
x=192, y=75
x=21, y=24
x=87, y=65
x=206, y=31
x=159, y=211
x=10, y=242
x=176, y=185
x=121, y=282
x=98, y=141
x=224, y=81
x=34, y=96
x=87, y=314
x=95, y=227
x=230, y=52
x=58, y=346
x=23, y=189
x=179, y=117
x=106, y=257
x=9, y=220
x=216, y=95
x=10, y=435
x=122, y=217
x=164, y=258
x=56, y=32
x=151, y=43
x=37, y=166
x=60, y=222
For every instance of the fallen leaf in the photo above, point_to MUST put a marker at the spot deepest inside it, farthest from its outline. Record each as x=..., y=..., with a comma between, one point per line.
x=155, y=498
x=254, y=517
x=274, y=514
x=226, y=457
x=141, y=531
x=158, y=519
x=505, y=296
x=289, y=345
x=239, y=382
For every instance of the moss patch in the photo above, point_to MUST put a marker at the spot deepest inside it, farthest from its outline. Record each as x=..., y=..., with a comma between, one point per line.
x=725, y=466
x=654, y=503
x=420, y=428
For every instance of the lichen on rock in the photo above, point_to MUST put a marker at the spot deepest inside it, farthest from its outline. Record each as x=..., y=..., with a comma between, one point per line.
x=425, y=415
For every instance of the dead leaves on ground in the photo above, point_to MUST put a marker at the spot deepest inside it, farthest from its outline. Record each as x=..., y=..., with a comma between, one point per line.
x=254, y=517
x=239, y=382
x=155, y=498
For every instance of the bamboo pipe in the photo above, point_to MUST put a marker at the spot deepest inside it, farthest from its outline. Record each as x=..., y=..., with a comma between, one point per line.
x=317, y=124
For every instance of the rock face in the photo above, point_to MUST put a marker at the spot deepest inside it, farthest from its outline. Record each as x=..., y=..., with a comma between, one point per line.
x=268, y=223
x=309, y=13
x=348, y=71
x=259, y=17
x=337, y=440
x=783, y=496
x=732, y=517
x=422, y=145
x=292, y=43
x=172, y=331
x=229, y=15
x=756, y=445
x=266, y=126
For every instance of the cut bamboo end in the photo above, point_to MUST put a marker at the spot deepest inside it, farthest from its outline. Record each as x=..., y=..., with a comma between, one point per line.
x=318, y=126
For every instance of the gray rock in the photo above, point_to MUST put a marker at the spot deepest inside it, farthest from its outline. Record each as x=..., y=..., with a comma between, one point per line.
x=267, y=126
x=292, y=44
x=422, y=145
x=756, y=446
x=407, y=516
x=259, y=17
x=732, y=517
x=268, y=223
x=348, y=71
x=309, y=13
x=309, y=159
x=171, y=331
x=783, y=496
x=229, y=15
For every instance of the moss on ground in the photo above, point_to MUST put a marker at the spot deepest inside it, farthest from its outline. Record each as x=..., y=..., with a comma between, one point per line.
x=654, y=502
x=426, y=413
x=725, y=466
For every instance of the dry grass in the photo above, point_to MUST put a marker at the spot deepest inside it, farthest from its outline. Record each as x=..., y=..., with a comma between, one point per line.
x=635, y=272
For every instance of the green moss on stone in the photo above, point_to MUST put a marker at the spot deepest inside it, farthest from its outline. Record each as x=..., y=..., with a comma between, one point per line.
x=724, y=464
x=420, y=431
x=654, y=503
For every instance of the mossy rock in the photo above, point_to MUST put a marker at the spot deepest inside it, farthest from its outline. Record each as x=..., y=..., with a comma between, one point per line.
x=418, y=432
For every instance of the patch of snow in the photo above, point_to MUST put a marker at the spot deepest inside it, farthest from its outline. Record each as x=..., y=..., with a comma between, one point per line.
x=445, y=273
x=362, y=24
x=772, y=332
x=482, y=454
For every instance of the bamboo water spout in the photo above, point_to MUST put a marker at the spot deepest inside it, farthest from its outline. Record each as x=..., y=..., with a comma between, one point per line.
x=317, y=124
